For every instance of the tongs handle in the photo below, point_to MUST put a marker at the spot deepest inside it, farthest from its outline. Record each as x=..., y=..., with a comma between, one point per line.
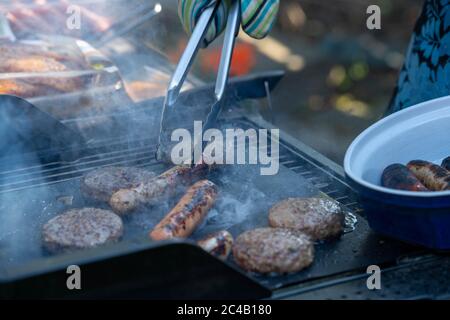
x=188, y=56
x=231, y=33
x=185, y=64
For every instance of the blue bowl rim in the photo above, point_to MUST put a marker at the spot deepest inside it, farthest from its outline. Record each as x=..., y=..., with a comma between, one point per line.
x=429, y=106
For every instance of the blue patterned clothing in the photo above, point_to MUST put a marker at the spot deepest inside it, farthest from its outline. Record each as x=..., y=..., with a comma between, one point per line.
x=426, y=72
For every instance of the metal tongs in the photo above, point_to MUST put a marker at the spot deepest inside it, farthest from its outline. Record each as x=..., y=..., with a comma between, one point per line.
x=185, y=64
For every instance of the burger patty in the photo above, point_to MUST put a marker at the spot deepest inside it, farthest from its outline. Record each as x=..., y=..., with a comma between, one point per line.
x=319, y=218
x=102, y=183
x=80, y=229
x=269, y=250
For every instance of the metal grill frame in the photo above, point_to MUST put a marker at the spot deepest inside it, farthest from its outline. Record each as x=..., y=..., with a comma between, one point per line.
x=321, y=172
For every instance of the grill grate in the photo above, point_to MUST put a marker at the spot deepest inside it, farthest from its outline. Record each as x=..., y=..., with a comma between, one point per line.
x=320, y=177
x=141, y=154
x=300, y=175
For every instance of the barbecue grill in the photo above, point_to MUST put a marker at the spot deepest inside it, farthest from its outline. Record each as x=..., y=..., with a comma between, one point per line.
x=36, y=185
x=141, y=268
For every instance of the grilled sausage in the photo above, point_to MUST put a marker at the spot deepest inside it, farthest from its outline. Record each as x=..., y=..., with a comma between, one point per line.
x=188, y=213
x=218, y=244
x=398, y=176
x=446, y=164
x=127, y=200
x=434, y=177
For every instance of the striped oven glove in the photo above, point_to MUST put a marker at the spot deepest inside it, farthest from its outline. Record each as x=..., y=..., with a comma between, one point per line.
x=258, y=16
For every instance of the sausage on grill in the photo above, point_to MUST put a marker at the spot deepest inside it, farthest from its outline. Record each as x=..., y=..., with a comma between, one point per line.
x=128, y=199
x=218, y=244
x=434, y=177
x=188, y=213
x=446, y=163
x=398, y=176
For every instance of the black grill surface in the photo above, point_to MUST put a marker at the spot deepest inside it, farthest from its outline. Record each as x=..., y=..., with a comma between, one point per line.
x=31, y=196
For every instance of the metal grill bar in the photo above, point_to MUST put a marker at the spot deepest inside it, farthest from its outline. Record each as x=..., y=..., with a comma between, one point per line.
x=140, y=153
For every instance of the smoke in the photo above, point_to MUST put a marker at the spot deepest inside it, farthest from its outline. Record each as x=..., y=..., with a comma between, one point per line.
x=36, y=186
x=230, y=212
x=21, y=210
x=83, y=19
x=245, y=198
x=119, y=132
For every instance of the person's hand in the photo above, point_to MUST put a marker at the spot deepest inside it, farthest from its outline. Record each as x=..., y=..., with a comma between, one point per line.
x=257, y=16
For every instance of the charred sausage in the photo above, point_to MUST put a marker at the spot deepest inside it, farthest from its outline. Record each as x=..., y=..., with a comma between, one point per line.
x=218, y=244
x=126, y=200
x=188, y=213
x=434, y=177
x=398, y=176
x=446, y=163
